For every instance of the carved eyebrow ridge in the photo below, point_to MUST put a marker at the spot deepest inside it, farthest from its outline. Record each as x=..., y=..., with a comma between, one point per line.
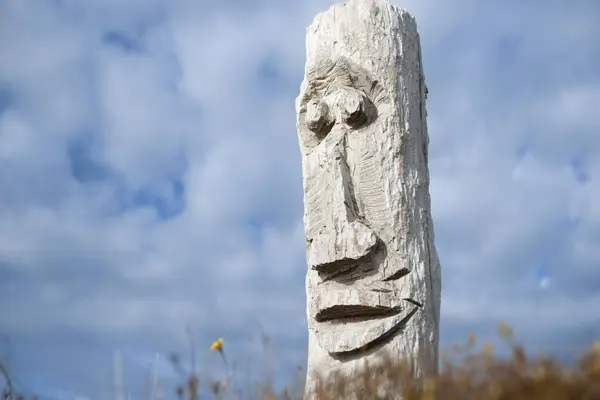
x=327, y=72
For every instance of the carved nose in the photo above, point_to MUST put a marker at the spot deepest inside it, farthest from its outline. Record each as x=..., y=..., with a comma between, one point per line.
x=341, y=237
x=335, y=251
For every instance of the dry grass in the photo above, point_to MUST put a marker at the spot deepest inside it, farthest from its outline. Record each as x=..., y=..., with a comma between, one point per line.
x=480, y=375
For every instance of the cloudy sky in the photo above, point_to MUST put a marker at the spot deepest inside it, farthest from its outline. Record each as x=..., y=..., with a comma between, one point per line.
x=150, y=179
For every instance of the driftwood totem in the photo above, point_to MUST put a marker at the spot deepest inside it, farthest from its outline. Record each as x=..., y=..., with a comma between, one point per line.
x=373, y=282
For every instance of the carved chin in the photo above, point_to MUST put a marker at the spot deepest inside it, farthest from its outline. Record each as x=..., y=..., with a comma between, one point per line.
x=350, y=328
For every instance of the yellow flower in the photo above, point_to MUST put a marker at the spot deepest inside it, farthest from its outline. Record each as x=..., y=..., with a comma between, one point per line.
x=505, y=331
x=218, y=345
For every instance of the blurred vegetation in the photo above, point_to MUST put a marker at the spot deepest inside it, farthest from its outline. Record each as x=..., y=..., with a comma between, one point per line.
x=479, y=374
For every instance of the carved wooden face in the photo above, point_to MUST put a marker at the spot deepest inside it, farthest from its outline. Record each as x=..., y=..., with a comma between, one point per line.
x=351, y=174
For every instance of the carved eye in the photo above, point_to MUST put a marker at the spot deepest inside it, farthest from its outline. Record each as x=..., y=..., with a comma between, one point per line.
x=353, y=108
x=318, y=118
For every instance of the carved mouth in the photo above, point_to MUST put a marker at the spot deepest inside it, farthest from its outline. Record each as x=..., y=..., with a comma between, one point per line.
x=355, y=313
x=345, y=321
x=368, y=328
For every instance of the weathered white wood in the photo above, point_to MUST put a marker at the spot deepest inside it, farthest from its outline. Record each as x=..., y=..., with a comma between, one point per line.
x=373, y=282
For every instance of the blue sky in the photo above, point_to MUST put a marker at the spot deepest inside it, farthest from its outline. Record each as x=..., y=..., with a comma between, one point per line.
x=150, y=177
